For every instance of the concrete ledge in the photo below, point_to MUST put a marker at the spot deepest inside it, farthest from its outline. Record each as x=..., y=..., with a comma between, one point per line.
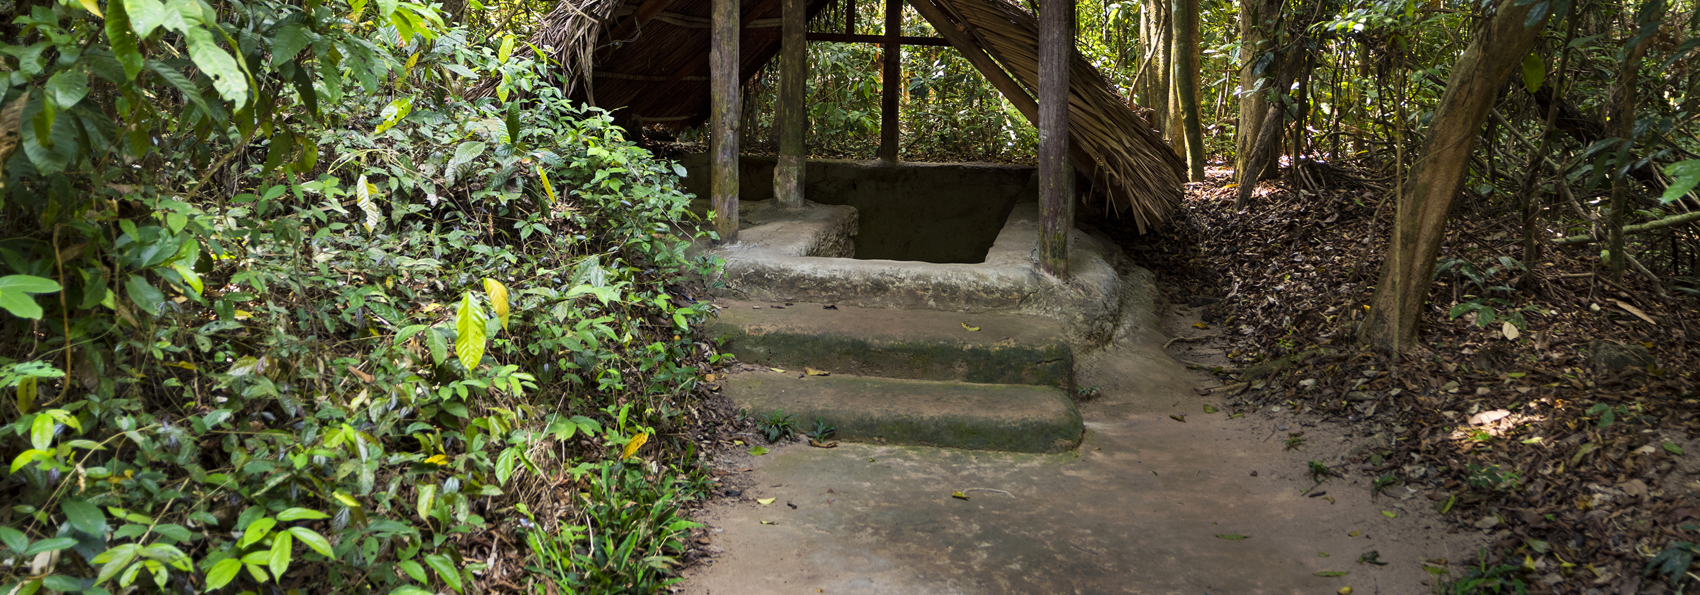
x=949, y=414
x=914, y=344
x=771, y=262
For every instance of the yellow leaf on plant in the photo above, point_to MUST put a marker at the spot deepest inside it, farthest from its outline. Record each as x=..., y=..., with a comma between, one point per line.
x=437, y=460
x=764, y=501
x=632, y=447
x=498, y=299
x=91, y=6
x=970, y=328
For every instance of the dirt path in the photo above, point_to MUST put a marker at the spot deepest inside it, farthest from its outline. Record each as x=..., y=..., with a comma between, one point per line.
x=1147, y=504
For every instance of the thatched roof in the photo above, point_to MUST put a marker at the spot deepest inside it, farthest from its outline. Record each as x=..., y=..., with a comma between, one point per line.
x=648, y=59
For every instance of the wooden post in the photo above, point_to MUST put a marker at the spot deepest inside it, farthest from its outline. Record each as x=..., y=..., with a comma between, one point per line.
x=1056, y=192
x=723, y=118
x=893, y=86
x=850, y=17
x=793, y=113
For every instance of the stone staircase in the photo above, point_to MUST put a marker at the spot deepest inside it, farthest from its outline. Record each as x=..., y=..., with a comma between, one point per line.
x=990, y=381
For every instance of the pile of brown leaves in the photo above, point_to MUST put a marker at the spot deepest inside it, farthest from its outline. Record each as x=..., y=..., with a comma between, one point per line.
x=1582, y=475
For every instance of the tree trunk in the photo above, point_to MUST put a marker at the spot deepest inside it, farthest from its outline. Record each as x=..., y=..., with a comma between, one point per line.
x=1258, y=20
x=1623, y=127
x=793, y=111
x=1186, y=76
x=1420, y=220
x=1056, y=190
x=892, y=79
x=724, y=104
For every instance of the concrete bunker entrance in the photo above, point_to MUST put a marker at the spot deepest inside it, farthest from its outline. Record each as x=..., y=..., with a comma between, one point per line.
x=925, y=212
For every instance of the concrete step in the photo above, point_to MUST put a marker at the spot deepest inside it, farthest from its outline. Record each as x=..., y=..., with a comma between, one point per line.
x=1006, y=417
x=913, y=344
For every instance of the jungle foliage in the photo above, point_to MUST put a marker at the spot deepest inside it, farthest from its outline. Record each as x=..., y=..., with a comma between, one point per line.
x=282, y=305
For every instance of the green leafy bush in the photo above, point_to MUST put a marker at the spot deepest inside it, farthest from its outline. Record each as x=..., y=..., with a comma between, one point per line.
x=283, y=304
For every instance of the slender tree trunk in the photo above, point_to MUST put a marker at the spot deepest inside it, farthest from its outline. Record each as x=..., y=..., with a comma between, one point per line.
x=725, y=104
x=1420, y=220
x=1186, y=75
x=1258, y=20
x=1056, y=190
x=1623, y=127
x=893, y=80
x=793, y=111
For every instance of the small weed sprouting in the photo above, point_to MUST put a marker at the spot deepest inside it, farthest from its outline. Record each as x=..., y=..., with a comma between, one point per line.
x=777, y=425
x=1294, y=441
x=1673, y=563
x=1380, y=484
x=1492, y=477
x=1482, y=579
x=823, y=431
x=1087, y=393
x=1319, y=471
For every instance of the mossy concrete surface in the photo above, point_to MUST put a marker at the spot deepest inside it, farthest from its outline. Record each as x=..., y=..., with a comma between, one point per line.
x=913, y=344
x=1011, y=418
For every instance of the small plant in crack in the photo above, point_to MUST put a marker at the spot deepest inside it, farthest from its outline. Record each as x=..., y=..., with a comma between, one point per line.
x=1294, y=441
x=1381, y=484
x=823, y=430
x=1320, y=471
x=1087, y=393
x=777, y=425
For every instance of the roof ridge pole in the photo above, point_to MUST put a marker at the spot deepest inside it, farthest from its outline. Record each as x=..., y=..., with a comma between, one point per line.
x=724, y=104
x=793, y=116
x=1056, y=192
x=893, y=86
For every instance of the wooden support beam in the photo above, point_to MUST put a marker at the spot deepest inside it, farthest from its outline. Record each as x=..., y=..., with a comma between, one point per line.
x=974, y=51
x=842, y=38
x=645, y=12
x=893, y=85
x=850, y=17
x=793, y=111
x=1056, y=188
x=724, y=104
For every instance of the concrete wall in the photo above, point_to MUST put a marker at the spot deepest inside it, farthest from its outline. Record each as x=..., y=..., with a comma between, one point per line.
x=932, y=212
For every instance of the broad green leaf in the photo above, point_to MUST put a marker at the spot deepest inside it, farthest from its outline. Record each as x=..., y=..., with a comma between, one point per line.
x=255, y=570
x=313, y=540
x=41, y=432
x=410, y=590
x=464, y=154
x=498, y=299
x=256, y=531
x=83, y=516
x=506, y=49
x=222, y=573
x=296, y=514
x=290, y=40
x=413, y=570
x=394, y=113
x=30, y=456
x=439, y=348
x=115, y=560
x=445, y=570
x=67, y=87
x=145, y=295
x=1534, y=72
x=386, y=8
x=1684, y=175
x=169, y=554
x=227, y=76
x=14, y=539
x=145, y=16
x=1673, y=448
x=281, y=556
x=469, y=346
x=49, y=545
x=427, y=494
x=15, y=293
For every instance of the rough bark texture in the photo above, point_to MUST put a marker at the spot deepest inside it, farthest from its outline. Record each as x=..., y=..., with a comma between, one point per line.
x=1262, y=151
x=1257, y=19
x=1056, y=192
x=793, y=113
x=1420, y=221
x=723, y=118
x=892, y=79
x=1186, y=86
x=1623, y=126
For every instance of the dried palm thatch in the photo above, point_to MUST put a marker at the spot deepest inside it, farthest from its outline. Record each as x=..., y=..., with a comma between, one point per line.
x=1137, y=169
x=570, y=34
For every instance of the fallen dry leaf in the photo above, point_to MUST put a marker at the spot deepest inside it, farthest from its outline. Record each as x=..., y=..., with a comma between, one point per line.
x=970, y=328
x=765, y=501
